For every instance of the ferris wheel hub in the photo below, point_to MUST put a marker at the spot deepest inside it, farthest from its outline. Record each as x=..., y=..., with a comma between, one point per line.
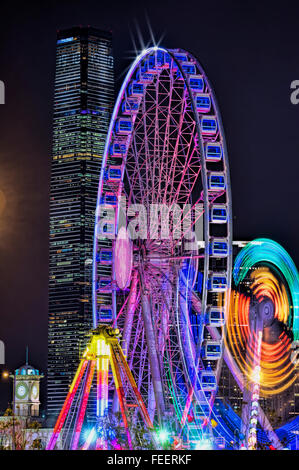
x=266, y=311
x=262, y=313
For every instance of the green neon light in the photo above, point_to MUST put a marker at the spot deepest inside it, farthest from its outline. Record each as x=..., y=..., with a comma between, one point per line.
x=266, y=250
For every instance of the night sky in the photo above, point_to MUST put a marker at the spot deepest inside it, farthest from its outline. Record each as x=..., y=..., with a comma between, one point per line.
x=250, y=51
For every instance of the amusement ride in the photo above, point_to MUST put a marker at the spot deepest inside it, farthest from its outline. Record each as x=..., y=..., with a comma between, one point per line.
x=169, y=307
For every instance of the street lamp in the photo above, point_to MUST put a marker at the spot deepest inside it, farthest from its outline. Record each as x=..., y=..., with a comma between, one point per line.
x=5, y=374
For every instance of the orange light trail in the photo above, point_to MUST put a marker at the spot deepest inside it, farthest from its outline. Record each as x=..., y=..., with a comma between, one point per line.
x=277, y=371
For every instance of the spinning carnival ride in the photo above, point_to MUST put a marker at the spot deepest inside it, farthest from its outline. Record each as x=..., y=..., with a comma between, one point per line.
x=162, y=314
x=262, y=329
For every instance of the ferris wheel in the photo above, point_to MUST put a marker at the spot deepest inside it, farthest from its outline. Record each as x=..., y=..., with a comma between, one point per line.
x=162, y=251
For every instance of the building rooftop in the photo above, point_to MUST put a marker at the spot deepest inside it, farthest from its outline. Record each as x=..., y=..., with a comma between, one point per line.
x=27, y=370
x=83, y=31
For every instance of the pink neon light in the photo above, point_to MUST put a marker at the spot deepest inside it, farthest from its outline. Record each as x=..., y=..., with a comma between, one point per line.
x=65, y=409
x=83, y=406
x=103, y=351
x=102, y=392
x=187, y=407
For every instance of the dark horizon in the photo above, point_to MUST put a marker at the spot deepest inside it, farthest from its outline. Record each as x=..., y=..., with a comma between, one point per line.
x=250, y=55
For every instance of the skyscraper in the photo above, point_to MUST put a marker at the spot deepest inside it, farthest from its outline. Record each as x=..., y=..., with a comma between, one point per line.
x=84, y=95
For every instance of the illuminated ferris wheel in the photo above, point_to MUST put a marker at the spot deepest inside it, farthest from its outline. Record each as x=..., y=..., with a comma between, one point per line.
x=162, y=254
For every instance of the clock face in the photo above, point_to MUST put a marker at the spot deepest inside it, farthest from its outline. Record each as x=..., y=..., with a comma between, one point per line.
x=21, y=390
x=34, y=392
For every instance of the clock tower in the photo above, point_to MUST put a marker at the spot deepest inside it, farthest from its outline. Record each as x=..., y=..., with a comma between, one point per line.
x=26, y=391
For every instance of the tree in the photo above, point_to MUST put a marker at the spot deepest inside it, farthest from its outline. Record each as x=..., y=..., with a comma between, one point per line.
x=36, y=444
x=140, y=435
x=16, y=431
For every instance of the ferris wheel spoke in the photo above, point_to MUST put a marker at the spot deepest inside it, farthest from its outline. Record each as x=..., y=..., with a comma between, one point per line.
x=177, y=130
x=153, y=357
x=132, y=305
x=166, y=142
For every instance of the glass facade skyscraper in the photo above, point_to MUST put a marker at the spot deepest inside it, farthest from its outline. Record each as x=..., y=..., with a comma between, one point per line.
x=83, y=102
